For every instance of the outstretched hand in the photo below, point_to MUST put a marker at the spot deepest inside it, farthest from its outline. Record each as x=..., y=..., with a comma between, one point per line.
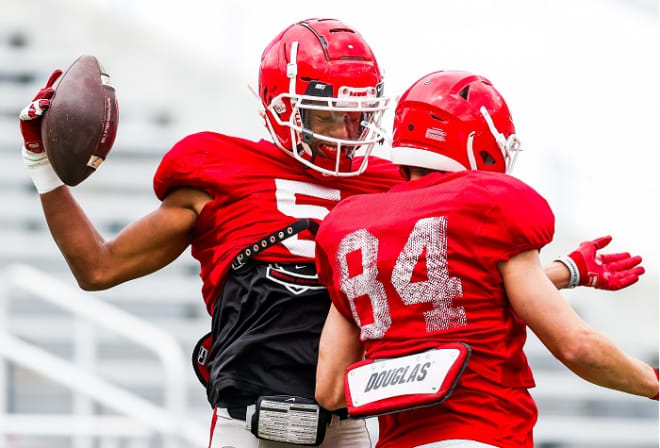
x=605, y=271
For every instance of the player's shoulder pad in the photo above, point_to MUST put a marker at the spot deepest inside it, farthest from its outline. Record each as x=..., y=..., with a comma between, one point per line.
x=183, y=165
x=523, y=216
x=501, y=185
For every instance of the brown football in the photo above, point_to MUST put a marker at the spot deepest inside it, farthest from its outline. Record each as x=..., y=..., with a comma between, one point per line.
x=80, y=125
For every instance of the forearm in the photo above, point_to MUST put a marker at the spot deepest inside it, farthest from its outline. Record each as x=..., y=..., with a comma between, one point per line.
x=599, y=361
x=77, y=238
x=329, y=384
x=558, y=274
x=340, y=346
x=585, y=351
x=143, y=247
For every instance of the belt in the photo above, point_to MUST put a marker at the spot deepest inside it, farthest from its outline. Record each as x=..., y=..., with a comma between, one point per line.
x=341, y=413
x=239, y=413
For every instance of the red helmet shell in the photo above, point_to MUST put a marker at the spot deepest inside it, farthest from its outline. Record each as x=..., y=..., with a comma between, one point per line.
x=438, y=115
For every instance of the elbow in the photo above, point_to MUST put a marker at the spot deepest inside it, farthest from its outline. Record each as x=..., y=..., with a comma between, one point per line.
x=329, y=394
x=580, y=351
x=322, y=399
x=89, y=286
x=93, y=280
x=329, y=401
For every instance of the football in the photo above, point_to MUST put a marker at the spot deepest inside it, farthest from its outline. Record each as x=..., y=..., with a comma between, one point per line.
x=80, y=125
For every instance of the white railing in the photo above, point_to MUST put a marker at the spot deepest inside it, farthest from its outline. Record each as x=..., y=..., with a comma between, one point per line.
x=90, y=312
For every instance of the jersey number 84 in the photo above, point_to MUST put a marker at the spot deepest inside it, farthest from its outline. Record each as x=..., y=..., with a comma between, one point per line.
x=439, y=289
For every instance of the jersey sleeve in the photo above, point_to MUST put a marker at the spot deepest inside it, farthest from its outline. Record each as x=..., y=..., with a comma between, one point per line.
x=519, y=219
x=183, y=166
x=381, y=174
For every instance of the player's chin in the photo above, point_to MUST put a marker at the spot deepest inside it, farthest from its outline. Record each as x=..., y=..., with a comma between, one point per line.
x=328, y=151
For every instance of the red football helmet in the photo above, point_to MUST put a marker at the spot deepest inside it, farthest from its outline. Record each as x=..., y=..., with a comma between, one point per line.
x=454, y=121
x=316, y=67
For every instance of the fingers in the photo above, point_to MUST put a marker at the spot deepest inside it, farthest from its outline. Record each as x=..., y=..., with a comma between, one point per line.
x=612, y=271
x=621, y=279
x=624, y=264
x=48, y=90
x=30, y=123
x=624, y=281
x=611, y=258
x=44, y=93
x=639, y=271
x=34, y=110
x=53, y=77
x=602, y=241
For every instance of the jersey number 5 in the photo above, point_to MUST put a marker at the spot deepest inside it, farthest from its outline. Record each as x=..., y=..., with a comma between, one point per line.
x=439, y=289
x=285, y=197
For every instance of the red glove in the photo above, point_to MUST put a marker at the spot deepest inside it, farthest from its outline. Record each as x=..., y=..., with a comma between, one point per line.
x=31, y=115
x=602, y=271
x=658, y=394
x=44, y=177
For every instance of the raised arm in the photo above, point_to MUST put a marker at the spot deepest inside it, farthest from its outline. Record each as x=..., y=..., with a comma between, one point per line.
x=587, y=352
x=143, y=247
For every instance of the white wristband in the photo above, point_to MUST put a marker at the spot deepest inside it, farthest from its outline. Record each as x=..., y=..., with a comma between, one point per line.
x=572, y=268
x=43, y=175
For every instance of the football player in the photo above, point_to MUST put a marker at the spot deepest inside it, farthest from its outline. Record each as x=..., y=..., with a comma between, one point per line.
x=248, y=210
x=437, y=279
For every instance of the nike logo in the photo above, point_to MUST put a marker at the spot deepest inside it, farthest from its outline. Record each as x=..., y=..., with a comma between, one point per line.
x=291, y=399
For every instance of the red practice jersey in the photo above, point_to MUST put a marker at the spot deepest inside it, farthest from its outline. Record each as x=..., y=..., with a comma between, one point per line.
x=256, y=189
x=417, y=266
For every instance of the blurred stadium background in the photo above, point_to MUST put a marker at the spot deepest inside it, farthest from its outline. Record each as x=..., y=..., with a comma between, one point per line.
x=112, y=369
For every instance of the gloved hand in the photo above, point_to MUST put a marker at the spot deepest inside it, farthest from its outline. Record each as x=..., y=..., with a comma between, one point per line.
x=44, y=177
x=657, y=376
x=602, y=271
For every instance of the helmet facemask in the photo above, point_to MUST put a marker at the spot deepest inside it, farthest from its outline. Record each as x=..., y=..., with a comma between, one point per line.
x=335, y=128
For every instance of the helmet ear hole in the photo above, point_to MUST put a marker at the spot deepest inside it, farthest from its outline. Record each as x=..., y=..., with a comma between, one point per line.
x=486, y=158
